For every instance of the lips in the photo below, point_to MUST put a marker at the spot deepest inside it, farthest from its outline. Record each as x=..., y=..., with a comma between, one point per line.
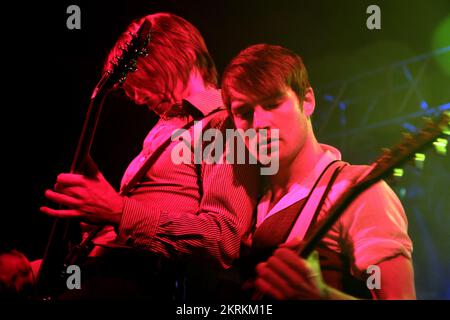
x=266, y=141
x=268, y=147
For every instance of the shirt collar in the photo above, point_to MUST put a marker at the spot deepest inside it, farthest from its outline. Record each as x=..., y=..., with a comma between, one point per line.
x=206, y=101
x=298, y=191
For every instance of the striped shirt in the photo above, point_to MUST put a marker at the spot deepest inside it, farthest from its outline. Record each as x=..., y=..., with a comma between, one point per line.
x=174, y=212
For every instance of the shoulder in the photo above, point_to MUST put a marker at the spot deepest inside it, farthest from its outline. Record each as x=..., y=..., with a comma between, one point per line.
x=375, y=205
x=379, y=192
x=351, y=171
x=219, y=119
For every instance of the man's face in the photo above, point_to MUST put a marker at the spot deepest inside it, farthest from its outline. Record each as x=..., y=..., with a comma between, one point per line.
x=159, y=100
x=282, y=112
x=158, y=103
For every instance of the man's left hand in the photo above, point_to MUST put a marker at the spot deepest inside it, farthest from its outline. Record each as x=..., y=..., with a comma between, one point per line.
x=286, y=276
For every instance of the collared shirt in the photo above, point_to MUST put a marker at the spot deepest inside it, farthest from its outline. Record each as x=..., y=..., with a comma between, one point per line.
x=204, y=101
x=174, y=212
x=372, y=229
x=298, y=190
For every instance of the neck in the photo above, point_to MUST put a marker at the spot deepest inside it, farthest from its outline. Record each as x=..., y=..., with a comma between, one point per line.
x=195, y=84
x=298, y=168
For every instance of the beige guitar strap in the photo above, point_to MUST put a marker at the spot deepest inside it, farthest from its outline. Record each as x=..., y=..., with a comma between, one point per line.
x=315, y=200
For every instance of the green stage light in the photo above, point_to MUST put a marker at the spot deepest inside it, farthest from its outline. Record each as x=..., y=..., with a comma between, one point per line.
x=441, y=39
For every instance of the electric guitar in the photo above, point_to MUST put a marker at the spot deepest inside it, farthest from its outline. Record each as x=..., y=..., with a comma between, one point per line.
x=382, y=168
x=51, y=280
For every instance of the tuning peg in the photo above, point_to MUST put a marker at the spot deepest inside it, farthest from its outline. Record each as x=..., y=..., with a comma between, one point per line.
x=118, y=60
x=122, y=79
x=113, y=65
x=143, y=52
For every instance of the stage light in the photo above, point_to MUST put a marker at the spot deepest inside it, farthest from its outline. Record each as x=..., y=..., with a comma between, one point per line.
x=419, y=160
x=398, y=172
x=441, y=39
x=440, y=146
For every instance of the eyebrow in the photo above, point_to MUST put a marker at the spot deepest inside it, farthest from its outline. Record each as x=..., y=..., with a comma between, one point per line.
x=276, y=98
x=239, y=106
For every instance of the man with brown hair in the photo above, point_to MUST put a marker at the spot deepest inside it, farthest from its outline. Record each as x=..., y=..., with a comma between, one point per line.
x=188, y=214
x=266, y=87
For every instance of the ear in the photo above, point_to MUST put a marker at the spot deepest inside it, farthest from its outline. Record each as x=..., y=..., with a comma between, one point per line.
x=309, y=103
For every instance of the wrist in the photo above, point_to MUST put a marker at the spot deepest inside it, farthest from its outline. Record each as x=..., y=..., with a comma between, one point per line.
x=117, y=211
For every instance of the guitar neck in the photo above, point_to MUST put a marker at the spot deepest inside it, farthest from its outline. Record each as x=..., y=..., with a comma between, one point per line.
x=89, y=127
x=66, y=233
x=336, y=211
x=50, y=273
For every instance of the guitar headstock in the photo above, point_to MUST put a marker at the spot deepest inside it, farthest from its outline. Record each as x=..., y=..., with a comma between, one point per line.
x=394, y=157
x=126, y=62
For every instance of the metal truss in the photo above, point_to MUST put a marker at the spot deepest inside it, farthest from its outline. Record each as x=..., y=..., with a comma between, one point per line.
x=389, y=95
x=361, y=114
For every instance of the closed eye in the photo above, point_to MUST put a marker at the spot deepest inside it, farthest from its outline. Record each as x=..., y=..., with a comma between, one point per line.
x=244, y=114
x=242, y=111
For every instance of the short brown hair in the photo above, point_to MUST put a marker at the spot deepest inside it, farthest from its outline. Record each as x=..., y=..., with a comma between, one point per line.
x=262, y=71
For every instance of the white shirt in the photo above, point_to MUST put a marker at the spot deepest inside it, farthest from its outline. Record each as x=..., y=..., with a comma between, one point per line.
x=372, y=229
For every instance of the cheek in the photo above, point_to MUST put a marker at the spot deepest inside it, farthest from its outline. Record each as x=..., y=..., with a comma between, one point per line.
x=287, y=124
x=292, y=133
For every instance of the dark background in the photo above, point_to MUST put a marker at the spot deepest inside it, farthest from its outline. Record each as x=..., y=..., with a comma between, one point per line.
x=366, y=95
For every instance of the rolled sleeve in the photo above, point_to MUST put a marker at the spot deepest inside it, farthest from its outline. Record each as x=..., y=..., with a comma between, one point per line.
x=375, y=228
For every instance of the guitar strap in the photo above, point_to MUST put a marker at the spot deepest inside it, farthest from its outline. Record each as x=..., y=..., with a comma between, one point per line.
x=82, y=250
x=315, y=200
x=156, y=154
x=294, y=220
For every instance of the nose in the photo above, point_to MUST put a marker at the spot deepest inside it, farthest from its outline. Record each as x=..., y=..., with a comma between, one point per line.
x=260, y=118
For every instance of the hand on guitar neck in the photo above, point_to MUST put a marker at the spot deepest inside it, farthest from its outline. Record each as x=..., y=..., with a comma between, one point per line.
x=285, y=276
x=88, y=198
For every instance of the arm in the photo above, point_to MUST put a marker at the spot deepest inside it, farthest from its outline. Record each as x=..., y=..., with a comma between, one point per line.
x=397, y=280
x=215, y=231
x=373, y=230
